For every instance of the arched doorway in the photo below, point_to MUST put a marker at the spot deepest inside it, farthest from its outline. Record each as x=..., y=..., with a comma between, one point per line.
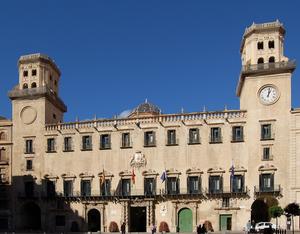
x=260, y=208
x=30, y=216
x=93, y=220
x=185, y=220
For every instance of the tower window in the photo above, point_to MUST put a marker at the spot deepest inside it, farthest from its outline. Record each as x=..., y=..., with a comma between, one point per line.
x=266, y=132
x=25, y=86
x=29, y=165
x=149, y=139
x=25, y=73
x=215, y=135
x=29, y=147
x=33, y=85
x=272, y=59
x=271, y=45
x=260, y=60
x=33, y=72
x=260, y=45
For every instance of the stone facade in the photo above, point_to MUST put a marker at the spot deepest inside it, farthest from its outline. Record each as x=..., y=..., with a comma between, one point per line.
x=153, y=168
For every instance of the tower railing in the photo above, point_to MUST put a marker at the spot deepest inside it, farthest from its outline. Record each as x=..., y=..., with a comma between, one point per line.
x=266, y=67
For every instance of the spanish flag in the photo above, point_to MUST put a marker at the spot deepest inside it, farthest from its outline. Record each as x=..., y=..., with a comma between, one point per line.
x=133, y=176
x=102, y=178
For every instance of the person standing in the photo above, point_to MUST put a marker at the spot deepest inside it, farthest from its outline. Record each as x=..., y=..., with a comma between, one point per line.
x=123, y=228
x=153, y=229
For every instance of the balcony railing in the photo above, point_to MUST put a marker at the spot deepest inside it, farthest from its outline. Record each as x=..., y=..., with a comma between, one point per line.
x=268, y=67
x=229, y=191
x=275, y=190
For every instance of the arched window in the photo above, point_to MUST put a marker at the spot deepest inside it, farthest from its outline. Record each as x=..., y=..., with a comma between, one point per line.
x=25, y=86
x=271, y=45
x=33, y=85
x=260, y=45
x=272, y=59
x=2, y=136
x=260, y=60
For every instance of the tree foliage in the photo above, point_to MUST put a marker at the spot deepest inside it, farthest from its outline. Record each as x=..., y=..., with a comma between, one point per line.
x=292, y=209
x=275, y=211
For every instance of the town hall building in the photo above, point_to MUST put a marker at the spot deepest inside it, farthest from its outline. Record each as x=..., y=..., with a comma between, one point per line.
x=175, y=171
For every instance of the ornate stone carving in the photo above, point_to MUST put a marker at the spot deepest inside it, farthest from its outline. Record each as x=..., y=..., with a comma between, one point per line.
x=138, y=160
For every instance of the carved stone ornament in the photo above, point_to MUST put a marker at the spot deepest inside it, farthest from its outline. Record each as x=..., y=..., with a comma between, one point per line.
x=163, y=210
x=138, y=160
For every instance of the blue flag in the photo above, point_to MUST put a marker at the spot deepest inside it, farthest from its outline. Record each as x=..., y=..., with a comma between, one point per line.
x=163, y=176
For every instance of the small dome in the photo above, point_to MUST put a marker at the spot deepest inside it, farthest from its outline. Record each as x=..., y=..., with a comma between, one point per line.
x=145, y=108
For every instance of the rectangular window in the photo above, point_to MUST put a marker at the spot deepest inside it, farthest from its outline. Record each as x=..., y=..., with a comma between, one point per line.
x=25, y=73
x=193, y=185
x=237, y=134
x=225, y=202
x=266, y=133
x=266, y=153
x=172, y=185
x=215, y=184
x=85, y=188
x=33, y=72
x=28, y=165
x=105, y=141
x=68, y=144
x=105, y=187
x=237, y=184
x=29, y=146
x=171, y=137
x=68, y=188
x=215, y=135
x=86, y=143
x=60, y=220
x=194, y=136
x=51, y=145
x=29, y=188
x=126, y=140
x=149, y=139
x=51, y=188
x=149, y=186
x=126, y=187
x=266, y=182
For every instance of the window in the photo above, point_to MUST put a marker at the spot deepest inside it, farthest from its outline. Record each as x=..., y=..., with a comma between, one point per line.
x=2, y=154
x=105, y=141
x=50, y=188
x=171, y=140
x=105, y=187
x=87, y=143
x=25, y=86
x=29, y=188
x=28, y=165
x=266, y=132
x=25, y=73
x=2, y=136
x=68, y=188
x=237, y=134
x=266, y=153
x=149, y=139
x=29, y=147
x=260, y=45
x=260, y=61
x=67, y=144
x=60, y=220
x=125, y=187
x=225, y=202
x=126, y=140
x=215, y=184
x=194, y=137
x=33, y=85
x=51, y=145
x=194, y=185
x=172, y=185
x=272, y=59
x=215, y=135
x=33, y=72
x=271, y=45
x=85, y=188
x=266, y=182
x=149, y=186
x=237, y=184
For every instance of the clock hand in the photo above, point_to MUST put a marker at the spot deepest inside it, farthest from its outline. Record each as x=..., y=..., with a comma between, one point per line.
x=269, y=91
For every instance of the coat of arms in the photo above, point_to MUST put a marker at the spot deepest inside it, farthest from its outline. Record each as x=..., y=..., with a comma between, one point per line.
x=138, y=160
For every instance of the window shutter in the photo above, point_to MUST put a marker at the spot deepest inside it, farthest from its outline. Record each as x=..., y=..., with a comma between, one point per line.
x=260, y=181
x=177, y=186
x=272, y=180
x=188, y=182
x=221, y=183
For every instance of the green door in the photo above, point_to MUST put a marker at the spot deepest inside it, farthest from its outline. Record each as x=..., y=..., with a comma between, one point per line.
x=185, y=220
x=225, y=222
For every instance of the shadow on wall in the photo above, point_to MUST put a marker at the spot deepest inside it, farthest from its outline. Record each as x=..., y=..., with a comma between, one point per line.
x=37, y=207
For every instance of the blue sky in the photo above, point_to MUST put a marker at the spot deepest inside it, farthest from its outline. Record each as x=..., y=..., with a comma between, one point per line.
x=115, y=54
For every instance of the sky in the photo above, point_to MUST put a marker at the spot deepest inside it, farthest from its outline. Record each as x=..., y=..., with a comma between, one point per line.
x=179, y=55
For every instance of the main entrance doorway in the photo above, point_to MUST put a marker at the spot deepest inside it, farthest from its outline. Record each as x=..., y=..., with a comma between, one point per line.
x=137, y=219
x=225, y=222
x=94, y=220
x=31, y=216
x=260, y=208
x=185, y=220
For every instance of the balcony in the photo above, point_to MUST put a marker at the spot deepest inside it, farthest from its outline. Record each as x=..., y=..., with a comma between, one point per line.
x=228, y=191
x=265, y=68
x=275, y=190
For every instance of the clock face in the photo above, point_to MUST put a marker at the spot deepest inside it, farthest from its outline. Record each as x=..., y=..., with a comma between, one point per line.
x=268, y=95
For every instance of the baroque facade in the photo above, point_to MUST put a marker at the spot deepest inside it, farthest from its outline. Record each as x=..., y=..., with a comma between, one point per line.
x=172, y=170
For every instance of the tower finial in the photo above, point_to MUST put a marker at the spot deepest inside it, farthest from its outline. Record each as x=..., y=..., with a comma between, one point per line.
x=146, y=100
